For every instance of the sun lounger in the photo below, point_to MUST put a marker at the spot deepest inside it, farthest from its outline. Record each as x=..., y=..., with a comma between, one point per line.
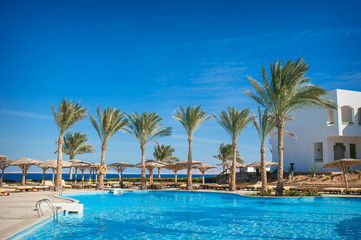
x=303, y=189
x=76, y=186
x=256, y=186
x=10, y=190
x=196, y=186
x=5, y=192
x=65, y=186
x=353, y=191
x=334, y=190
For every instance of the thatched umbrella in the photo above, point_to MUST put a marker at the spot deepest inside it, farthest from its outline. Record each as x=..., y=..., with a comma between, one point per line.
x=179, y=166
x=150, y=165
x=343, y=164
x=120, y=167
x=228, y=164
x=175, y=168
x=24, y=164
x=51, y=164
x=93, y=167
x=4, y=163
x=203, y=168
x=82, y=166
x=258, y=164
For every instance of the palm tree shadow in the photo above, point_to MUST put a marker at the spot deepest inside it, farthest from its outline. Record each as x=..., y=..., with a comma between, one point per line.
x=349, y=228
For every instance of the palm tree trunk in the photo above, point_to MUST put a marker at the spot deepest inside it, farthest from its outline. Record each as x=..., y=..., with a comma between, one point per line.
x=2, y=176
x=53, y=176
x=59, y=168
x=75, y=176
x=232, y=182
x=263, y=168
x=189, y=168
x=71, y=173
x=120, y=179
x=151, y=176
x=43, y=178
x=175, y=176
x=144, y=179
x=280, y=128
x=100, y=184
x=159, y=172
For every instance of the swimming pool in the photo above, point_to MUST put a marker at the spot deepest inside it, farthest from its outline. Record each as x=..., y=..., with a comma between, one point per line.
x=200, y=215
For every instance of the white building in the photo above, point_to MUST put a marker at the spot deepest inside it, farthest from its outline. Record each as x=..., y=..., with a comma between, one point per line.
x=324, y=135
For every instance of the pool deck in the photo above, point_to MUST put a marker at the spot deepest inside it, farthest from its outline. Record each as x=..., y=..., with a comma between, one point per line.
x=17, y=210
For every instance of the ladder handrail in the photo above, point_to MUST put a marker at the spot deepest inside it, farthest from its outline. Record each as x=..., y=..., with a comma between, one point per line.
x=50, y=205
x=52, y=188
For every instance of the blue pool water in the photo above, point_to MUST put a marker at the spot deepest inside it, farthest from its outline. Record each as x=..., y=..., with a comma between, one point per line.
x=196, y=215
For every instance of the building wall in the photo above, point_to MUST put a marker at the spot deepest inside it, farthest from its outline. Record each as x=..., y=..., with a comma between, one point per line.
x=312, y=126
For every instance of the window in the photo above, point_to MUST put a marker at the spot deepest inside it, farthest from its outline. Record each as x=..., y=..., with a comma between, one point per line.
x=347, y=115
x=353, y=150
x=331, y=119
x=359, y=116
x=318, y=152
x=339, y=151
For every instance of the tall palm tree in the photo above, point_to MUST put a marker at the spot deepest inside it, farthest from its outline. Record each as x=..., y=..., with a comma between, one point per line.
x=264, y=126
x=191, y=118
x=146, y=128
x=75, y=144
x=164, y=153
x=287, y=90
x=225, y=153
x=234, y=122
x=68, y=114
x=110, y=121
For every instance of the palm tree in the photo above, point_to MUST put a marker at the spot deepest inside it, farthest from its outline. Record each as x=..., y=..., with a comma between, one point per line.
x=110, y=121
x=225, y=153
x=68, y=114
x=234, y=122
x=145, y=128
x=191, y=118
x=287, y=90
x=164, y=153
x=75, y=144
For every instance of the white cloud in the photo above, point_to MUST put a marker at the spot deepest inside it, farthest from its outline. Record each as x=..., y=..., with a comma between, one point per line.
x=25, y=114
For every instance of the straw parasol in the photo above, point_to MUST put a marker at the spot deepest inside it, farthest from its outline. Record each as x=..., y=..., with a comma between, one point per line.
x=24, y=164
x=228, y=164
x=175, y=168
x=79, y=164
x=258, y=164
x=203, y=168
x=150, y=165
x=51, y=164
x=4, y=163
x=343, y=164
x=93, y=167
x=120, y=167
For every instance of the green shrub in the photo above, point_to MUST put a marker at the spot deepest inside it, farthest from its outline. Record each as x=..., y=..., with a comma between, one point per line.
x=313, y=169
x=266, y=193
x=302, y=194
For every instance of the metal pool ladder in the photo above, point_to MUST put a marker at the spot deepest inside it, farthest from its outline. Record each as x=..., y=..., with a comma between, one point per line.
x=51, y=206
x=54, y=188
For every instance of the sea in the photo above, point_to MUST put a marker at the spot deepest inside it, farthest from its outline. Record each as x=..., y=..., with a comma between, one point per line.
x=48, y=176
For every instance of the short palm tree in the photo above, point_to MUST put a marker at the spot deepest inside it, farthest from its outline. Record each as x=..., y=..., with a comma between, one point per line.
x=287, y=90
x=225, y=153
x=146, y=128
x=75, y=144
x=110, y=121
x=164, y=153
x=191, y=118
x=68, y=114
x=234, y=122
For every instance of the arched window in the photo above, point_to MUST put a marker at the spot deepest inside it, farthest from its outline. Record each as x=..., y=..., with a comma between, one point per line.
x=347, y=115
x=331, y=119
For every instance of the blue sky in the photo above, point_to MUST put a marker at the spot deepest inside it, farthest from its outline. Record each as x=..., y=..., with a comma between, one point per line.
x=154, y=56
